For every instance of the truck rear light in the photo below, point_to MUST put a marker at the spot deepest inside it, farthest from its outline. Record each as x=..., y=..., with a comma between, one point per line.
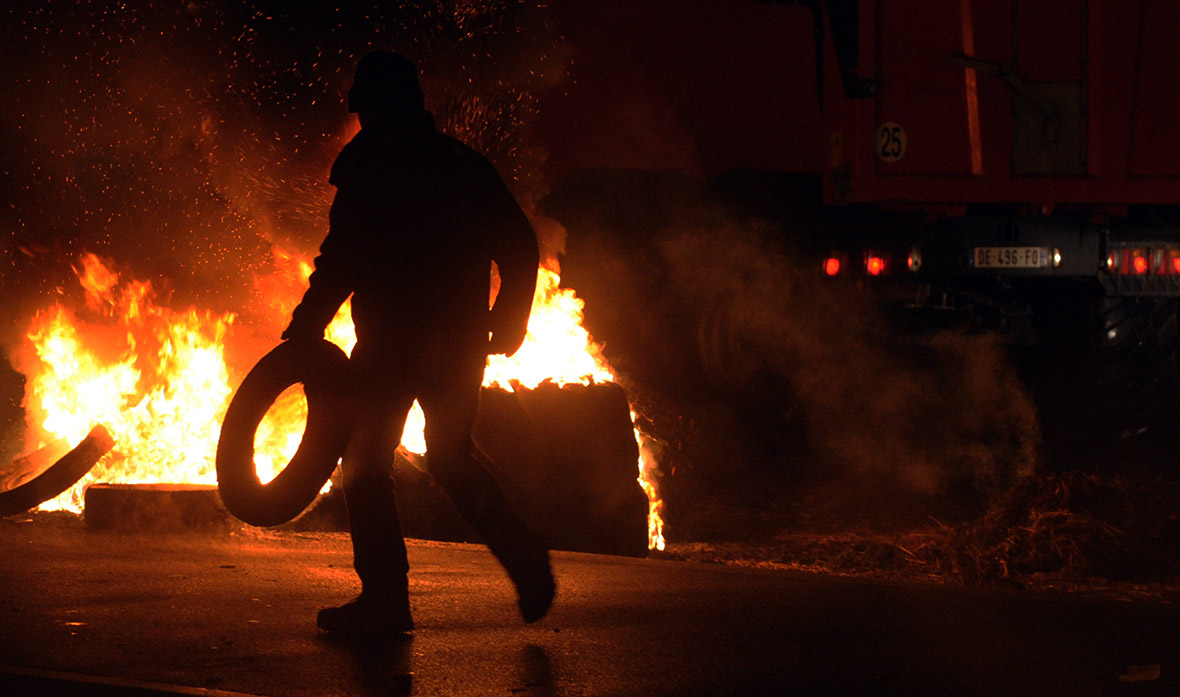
x=1157, y=261
x=874, y=264
x=914, y=260
x=1139, y=262
x=832, y=266
x=1165, y=261
x=1120, y=261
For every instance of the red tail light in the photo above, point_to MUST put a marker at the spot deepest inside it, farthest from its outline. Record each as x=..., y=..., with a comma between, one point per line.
x=1139, y=263
x=874, y=265
x=1159, y=261
x=831, y=266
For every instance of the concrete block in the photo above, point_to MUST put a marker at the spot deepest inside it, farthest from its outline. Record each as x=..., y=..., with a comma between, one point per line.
x=155, y=508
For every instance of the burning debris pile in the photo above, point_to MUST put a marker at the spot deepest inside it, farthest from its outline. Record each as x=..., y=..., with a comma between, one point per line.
x=156, y=378
x=190, y=146
x=160, y=379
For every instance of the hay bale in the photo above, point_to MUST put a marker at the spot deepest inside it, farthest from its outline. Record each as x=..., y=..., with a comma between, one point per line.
x=1073, y=526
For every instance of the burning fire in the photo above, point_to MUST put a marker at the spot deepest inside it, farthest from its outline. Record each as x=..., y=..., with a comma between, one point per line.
x=156, y=378
x=159, y=381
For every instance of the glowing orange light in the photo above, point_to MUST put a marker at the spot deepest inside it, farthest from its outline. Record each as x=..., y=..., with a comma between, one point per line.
x=155, y=377
x=160, y=379
x=874, y=265
x=831, y=266
x=1175, y=263
x=1140, y=264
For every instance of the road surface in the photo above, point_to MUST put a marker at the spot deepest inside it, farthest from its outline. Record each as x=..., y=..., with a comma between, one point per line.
x=233, y=612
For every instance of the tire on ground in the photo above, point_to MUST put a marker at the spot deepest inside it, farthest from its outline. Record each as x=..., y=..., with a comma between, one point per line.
x=322, y=368
x=58, y=477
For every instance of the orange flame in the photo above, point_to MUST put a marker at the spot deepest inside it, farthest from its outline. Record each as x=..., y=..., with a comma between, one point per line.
x=156, y=378
x=159, y=380
x=556, y=348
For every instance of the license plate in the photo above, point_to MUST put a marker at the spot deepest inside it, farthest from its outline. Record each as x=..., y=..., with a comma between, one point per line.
x=1011, y=257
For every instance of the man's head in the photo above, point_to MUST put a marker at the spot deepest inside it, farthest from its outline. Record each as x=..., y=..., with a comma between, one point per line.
x=385, y=83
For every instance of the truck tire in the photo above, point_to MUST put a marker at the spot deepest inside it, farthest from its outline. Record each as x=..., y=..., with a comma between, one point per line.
x=727, y=360
x=322, y=368
x=1106, y=386
x=1137, y=350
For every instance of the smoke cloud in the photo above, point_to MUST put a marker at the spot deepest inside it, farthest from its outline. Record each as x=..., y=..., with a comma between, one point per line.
x=729, y=304
x=922, y=414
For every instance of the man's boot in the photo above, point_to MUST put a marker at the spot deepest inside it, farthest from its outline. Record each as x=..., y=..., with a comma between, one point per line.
x=368, y=614
x=526, y=559
x=379, y=556
x=520, y=550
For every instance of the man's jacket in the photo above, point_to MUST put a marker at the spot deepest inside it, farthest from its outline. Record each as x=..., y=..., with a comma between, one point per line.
x=417, y=220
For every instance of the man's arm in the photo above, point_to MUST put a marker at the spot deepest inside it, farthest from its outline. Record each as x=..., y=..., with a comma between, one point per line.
x=514, y=249
x=332, y=280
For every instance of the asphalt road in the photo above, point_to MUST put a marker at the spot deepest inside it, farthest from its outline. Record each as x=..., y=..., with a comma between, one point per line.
x=235, y=613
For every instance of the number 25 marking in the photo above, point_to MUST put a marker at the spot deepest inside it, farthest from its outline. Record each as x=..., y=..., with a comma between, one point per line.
x=891, y=142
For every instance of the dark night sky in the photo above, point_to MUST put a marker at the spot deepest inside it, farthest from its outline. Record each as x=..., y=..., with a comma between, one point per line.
x=697, y=86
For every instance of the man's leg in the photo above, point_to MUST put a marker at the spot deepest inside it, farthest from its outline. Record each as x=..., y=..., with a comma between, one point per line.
x=450, y=414
x=379, y=550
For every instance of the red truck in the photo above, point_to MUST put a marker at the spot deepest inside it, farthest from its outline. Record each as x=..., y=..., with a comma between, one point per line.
x=1010, y=167
x=1037, y=143
x=1049, y=109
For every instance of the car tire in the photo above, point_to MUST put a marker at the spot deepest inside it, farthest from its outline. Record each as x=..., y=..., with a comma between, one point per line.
x=322, y=368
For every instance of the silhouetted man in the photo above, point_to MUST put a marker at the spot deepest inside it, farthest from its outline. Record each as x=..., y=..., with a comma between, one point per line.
x=417, y=220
